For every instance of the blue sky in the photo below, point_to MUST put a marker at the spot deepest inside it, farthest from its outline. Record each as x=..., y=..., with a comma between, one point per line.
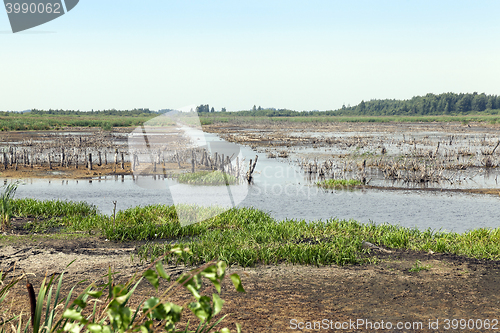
x=301, y=55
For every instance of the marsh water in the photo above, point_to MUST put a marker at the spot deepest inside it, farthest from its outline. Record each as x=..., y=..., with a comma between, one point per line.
x=284, y=191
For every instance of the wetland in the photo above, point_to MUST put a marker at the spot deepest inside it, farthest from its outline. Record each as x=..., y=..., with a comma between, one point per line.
x=304, y=252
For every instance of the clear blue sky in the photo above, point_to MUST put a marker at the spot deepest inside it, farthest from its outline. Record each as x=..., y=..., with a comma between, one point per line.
x=301, y=55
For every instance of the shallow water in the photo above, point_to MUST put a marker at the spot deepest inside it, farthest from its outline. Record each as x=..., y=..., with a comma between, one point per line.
x=283, y=191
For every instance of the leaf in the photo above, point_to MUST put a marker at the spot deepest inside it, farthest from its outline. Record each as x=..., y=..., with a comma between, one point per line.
x=72, y=327
x=95, y=294
x=237, y=283
x=221, y=269
x=218, y=302
x=211, y=273
x=152, y=277
x=80, y=303
x=198, y=310
x=94, y=328
x=238, y=328
x=161, y=271
x=156, y=309
x=224, y=330
x=72, y=314
x=193, y=291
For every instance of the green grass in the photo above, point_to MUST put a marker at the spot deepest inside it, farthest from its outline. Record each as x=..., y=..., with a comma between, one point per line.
x=339, y=183
x=417, y=267
x=248, y=236
x=207, y=178
x=234, y=116
x=28, y=121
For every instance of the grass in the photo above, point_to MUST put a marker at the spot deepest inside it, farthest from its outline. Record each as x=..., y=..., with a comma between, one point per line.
x=417, y=267
x=21, y=122
x=248, y=236
x=207, y=178
x=6, y=206
x=207, y=119
x=339, y=183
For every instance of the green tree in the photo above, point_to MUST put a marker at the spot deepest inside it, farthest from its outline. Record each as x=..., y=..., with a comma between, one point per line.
x=361, y=108
x=479, y=103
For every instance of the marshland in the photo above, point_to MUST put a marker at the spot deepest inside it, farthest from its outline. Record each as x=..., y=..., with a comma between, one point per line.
x=351, y=211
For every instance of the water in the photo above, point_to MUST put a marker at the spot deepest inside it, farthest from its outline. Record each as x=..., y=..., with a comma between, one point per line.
x=283, y=191
x=289, y=198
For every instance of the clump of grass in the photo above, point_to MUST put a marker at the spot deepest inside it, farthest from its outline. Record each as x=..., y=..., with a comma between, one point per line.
x=339, y=183
x=52, y=208
x=52, y=214
x=417, y=267
x=207, y=178
x=248, y=236
x=6, y=206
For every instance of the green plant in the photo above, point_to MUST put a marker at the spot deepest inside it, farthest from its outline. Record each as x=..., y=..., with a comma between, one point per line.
x=4, y=291
x=339, y=183
x=417, y=267
x=6, y=207
x=114, y=313
x=207, y=178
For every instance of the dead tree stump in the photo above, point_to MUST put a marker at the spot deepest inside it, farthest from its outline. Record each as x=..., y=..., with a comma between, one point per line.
x=251, y=169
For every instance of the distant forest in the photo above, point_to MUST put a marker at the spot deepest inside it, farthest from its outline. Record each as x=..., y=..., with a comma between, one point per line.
x=430, y=104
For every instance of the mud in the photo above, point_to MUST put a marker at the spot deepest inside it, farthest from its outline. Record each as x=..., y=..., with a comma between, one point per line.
x=279, y=297
x=384, y=155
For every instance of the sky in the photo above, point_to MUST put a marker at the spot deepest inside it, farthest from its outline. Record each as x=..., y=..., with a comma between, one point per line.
x=299, y=55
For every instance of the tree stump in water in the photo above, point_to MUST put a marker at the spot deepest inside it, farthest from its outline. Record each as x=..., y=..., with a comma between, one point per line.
x=251, y=169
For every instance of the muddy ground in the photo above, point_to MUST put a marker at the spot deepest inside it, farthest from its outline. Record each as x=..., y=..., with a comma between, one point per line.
x=280, y=297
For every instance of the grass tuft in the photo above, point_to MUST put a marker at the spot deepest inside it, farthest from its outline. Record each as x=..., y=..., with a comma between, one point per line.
x=248, y=236
x=207, y=178
x=339, y=183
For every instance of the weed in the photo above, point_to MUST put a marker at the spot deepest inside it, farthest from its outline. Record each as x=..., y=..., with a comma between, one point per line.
x=417, y=267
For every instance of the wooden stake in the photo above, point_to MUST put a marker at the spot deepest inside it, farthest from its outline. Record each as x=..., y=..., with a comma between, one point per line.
x=90, y=162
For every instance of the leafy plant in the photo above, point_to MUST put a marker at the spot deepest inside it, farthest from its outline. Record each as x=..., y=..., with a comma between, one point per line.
x=115, y=315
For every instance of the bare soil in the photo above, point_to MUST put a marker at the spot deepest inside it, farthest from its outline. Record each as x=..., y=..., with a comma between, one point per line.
x=281, y=296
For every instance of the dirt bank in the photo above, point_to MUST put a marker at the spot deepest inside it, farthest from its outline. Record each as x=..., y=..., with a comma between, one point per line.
x=278, y=297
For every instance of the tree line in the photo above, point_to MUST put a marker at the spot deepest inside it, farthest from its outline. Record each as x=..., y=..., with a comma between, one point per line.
x=430, y=104
x=205, y=108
